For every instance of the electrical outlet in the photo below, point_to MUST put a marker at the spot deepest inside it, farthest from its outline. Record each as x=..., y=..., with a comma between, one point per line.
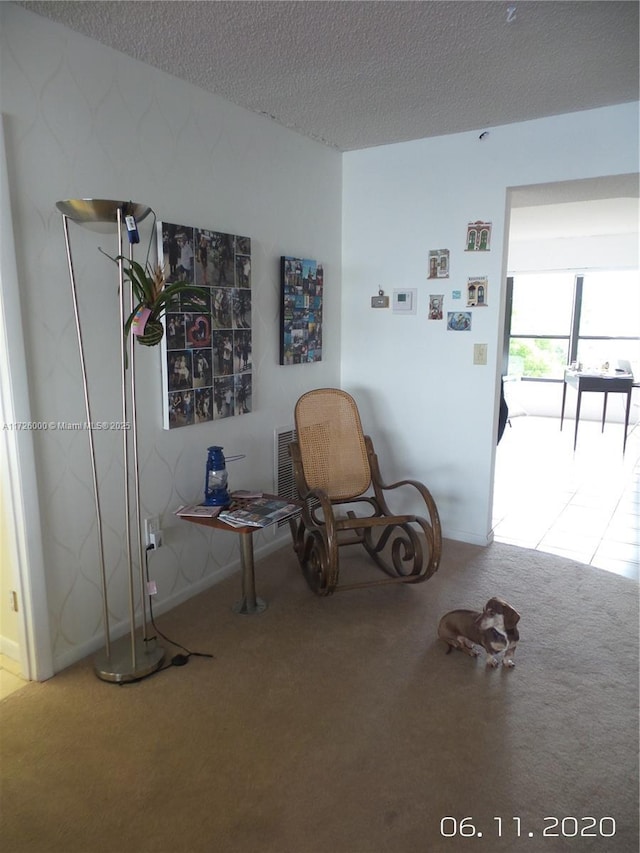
x=152, y=532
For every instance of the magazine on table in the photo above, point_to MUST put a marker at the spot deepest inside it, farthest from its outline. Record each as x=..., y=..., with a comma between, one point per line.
x=198, y=511
x=258, y=513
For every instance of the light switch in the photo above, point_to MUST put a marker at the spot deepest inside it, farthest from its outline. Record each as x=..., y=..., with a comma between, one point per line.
x=480, y=353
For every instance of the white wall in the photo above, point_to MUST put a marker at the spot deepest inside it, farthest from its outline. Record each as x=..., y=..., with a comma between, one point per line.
x=85, y=121
x=433, y=413
x=607, y=251
x=580, y=235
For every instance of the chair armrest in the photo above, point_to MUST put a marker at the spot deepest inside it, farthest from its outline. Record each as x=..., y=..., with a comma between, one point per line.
x=422, y=489
x=379, y=487
x=320, y=497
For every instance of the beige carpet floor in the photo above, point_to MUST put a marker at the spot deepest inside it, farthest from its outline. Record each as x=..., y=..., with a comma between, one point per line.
x=340, y=725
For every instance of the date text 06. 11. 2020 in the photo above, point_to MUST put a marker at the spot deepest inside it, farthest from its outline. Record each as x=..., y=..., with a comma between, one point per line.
x=552, y=827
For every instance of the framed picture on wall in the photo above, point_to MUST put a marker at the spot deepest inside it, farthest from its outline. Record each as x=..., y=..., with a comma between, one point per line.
x=459, y=321
x=439, y=263
x=206, y=350
x=478, y=237
x=436, y=302
x=477, y=291
x=302, y=292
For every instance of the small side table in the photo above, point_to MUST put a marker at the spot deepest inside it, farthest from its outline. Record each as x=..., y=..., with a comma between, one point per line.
x=249, y=604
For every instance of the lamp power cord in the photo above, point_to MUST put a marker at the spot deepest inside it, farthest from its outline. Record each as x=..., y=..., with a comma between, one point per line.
x=181, y=658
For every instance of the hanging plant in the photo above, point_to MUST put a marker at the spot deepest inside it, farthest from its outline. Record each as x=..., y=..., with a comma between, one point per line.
x=153, y=298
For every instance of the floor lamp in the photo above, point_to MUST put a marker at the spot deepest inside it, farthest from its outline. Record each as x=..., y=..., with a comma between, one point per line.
x=134, y=655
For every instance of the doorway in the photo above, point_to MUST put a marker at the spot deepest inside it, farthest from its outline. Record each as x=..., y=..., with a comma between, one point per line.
x=582, y=504
x=22, y=576
x=13, y=668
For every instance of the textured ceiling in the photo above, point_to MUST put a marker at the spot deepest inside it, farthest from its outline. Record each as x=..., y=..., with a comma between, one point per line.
x=354, y=74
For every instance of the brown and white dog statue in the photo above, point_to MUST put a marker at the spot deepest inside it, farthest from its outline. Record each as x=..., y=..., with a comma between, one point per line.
x=493, y=628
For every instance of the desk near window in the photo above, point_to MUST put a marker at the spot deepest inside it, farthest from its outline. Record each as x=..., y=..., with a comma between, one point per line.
x=603, y=383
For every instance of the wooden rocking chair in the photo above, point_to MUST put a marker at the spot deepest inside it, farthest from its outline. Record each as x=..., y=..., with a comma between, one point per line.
x=335, y=465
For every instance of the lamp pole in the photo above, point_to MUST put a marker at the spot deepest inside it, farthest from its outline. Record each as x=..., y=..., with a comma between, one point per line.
x=132, y=656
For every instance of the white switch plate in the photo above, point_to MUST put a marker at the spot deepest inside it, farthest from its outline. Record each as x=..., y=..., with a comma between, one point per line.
x=480, y=353
x=151, y=530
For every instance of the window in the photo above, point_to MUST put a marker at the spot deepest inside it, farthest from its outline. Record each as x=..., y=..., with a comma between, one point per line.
x=541, y=311
x=560, y=318
x=610, y=320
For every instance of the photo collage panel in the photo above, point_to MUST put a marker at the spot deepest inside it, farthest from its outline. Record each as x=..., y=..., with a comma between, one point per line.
x=302, y=284
x=207, y=354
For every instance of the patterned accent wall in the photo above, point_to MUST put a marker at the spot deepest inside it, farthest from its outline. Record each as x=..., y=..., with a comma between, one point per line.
x=82, y=120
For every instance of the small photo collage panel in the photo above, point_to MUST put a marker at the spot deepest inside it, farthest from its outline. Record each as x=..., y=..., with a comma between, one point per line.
x=302, y=295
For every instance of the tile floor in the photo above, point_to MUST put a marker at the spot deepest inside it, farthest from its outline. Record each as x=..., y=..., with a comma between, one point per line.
x=10, y=678
x=584, y=505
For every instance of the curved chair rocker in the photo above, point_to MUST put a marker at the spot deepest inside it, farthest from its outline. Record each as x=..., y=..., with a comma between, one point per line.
x=335, y=464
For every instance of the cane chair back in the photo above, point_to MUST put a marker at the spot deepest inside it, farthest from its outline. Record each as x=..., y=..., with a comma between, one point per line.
x=332, y=446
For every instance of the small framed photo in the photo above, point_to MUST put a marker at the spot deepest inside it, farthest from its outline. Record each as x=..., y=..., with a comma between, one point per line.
x=477, y=292
x=459, y=321
x=436, y=301
x=439, y=263
x=478, y=237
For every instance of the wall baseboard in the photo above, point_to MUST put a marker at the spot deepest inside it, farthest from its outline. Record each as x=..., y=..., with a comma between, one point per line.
x=118, y=630
x=469, y=538
x=10, y=649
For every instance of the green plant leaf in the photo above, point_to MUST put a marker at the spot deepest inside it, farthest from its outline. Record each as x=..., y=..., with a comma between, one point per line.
x=168, y=295
x=143, y=288
x=141, y=281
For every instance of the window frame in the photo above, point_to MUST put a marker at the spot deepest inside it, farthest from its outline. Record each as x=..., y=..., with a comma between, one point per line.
x=573, y=336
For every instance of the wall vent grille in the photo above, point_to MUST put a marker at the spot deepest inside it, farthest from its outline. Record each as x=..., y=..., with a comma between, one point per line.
x=285, y=486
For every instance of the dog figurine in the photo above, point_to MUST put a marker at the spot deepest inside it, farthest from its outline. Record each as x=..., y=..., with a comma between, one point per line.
x=493, y=628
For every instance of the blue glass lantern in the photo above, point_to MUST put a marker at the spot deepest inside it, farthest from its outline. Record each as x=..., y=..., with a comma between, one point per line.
x=215, y=486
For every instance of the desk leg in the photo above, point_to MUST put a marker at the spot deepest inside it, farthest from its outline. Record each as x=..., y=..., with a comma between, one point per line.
x=604, y=409
x=564, y=398
x=575, y=435
x=626, y=421
x=249, y=603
